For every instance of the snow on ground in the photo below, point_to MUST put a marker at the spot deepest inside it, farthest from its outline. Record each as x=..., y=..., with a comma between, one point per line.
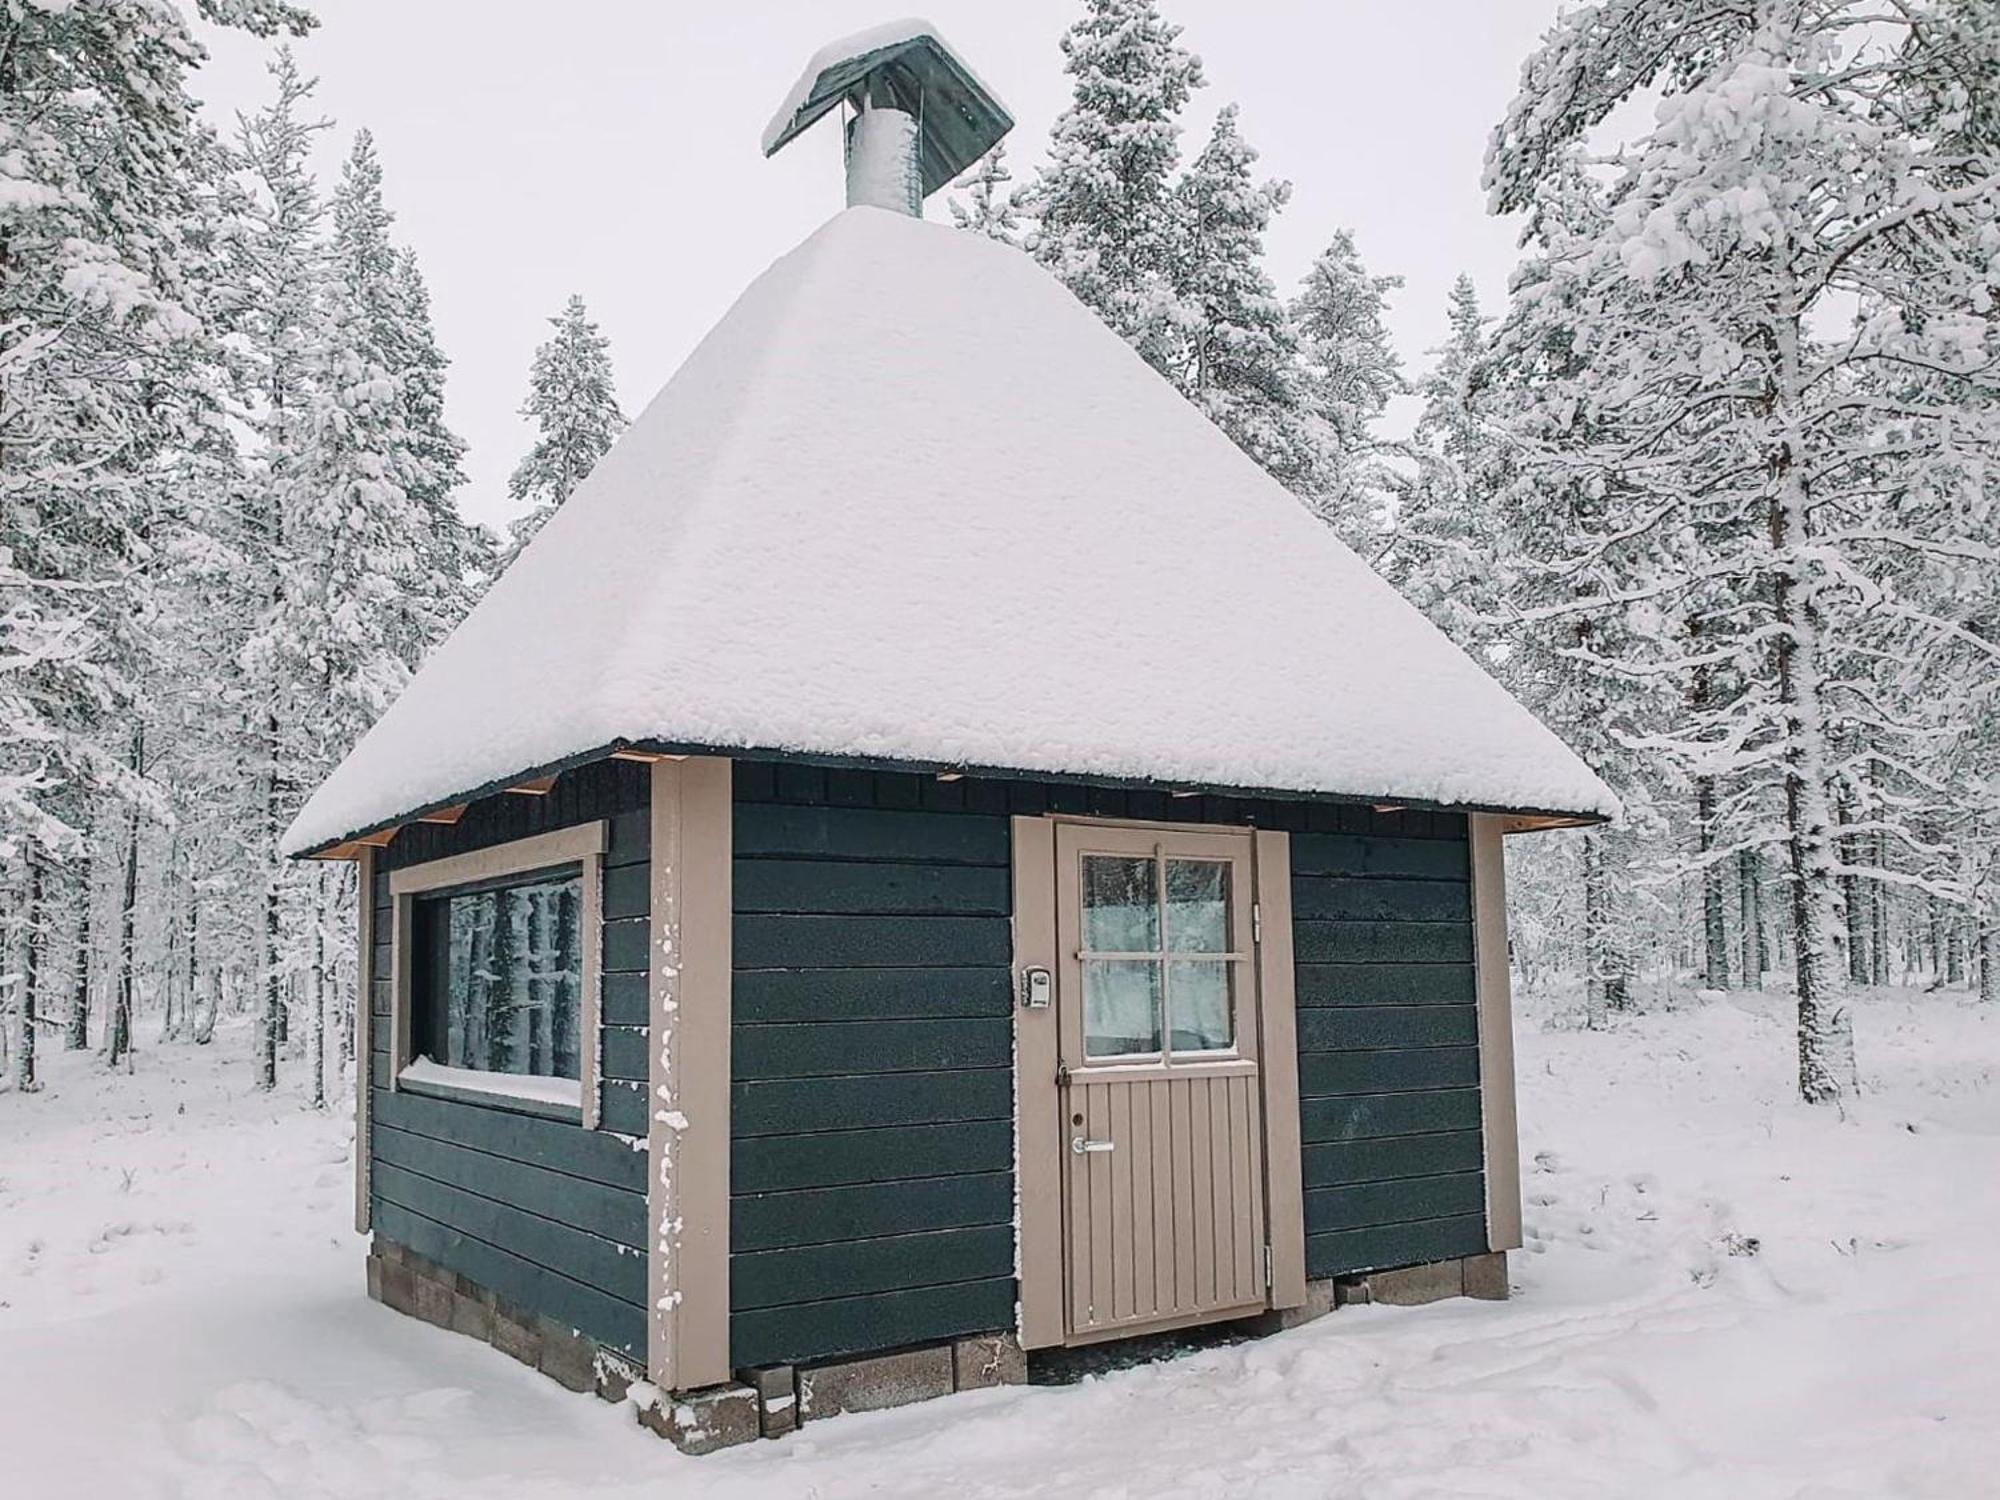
x=1725, y=1294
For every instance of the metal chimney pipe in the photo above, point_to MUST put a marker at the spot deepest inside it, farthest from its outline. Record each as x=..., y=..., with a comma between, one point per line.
x=883, y=165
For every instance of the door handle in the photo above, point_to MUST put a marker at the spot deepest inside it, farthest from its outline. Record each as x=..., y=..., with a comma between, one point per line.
x=1079, y=1145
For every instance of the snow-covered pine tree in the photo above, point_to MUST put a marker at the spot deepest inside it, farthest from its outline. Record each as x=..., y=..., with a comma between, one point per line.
x=573, y=401
x=995, y=211
x=1238, y=359
x=1104, y=203
x=1808, y=215
x=1351, y=374
x=1442, y=546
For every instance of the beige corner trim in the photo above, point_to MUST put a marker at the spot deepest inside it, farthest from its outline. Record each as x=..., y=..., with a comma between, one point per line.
x=582, y=845
x=1284, y=1169
x=1499, y=1124
x=1037, y=1109
x=364, y=1035
x=687, y=1195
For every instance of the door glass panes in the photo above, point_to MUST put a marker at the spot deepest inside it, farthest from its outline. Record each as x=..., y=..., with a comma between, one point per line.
x=1167, y=910
x=1198, y=905
x=502, y=977
x=1121, y=1007
x=1198, y=1001
x=1121, y=904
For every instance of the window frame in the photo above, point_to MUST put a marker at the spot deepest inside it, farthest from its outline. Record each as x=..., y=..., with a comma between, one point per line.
x=582, y=845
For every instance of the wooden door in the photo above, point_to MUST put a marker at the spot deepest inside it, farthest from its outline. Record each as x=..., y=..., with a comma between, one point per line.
x=1162, y=1134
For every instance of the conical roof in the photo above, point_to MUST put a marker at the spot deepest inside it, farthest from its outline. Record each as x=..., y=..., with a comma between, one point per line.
x=911, y=501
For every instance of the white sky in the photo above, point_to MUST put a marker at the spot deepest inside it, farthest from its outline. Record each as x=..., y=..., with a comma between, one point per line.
x=609, y=147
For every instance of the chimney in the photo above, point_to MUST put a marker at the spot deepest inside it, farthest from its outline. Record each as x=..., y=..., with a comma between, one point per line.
x=918, y=115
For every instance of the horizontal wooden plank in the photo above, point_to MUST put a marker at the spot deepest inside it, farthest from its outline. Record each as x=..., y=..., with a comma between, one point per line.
x=850, y=1268
x=816, y=942
x=800, y=1049
x=625, y=1054
x=626, y=944
x=1382, y=942
x=1358, y=1117
x=615, y=1324
x=1352, y=1027
x=1388, y=1071
x=622, y=1108
x=1337, y=1163
x=1344, y=1251
x=1378, y=898
x=550, y=1144
x=1352, y=854
x=1384, y=984
x=862, y=1325
x=760, y=995
x=802, y=1106
x=614, y=1269
x=822, y=1216
x=631, y=840
x=612, y=1213
x=775, y=1163
x=627, y=891
x=1361, y=1205
x=625, y=999
x=870, y=888
x=777, y=830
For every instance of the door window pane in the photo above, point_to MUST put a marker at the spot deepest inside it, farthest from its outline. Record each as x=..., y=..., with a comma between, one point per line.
x=502, y=978
x=1198, y=1003
x=1121, y=1007
x=1121, y=905
x=1198, y=905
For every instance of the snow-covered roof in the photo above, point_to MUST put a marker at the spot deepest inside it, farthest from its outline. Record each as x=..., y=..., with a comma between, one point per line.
x=911, y=501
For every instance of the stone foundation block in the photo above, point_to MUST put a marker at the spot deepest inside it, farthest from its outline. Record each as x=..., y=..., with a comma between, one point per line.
x=1412, y=1286
x=777, y=1388
x=435, y=1301
x=1350, y=1291
x=988, y=1359
x=615, y=1376
x=399, y=1288
x=1320, y=1300
x=1486, y=1276
x=374, y=1278
x=871, y=1384
x=516, y=1334
x=567, y=1357
x=703, y=1421
x=472, y=1316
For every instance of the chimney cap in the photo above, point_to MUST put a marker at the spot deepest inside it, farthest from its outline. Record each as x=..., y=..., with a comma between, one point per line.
x=908, y=66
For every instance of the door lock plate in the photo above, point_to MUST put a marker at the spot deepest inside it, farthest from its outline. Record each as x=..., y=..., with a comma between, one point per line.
x=1038, y=989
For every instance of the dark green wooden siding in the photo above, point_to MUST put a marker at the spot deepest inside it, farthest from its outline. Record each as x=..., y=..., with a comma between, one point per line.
x=871, y=1155
x=548, y=1215
x=872, y=1099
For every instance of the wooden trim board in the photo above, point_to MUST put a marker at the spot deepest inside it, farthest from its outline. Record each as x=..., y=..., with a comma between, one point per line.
x=364, y=1037
x=1499, y=1125
x=1284, y=1165
x=687, y=1192
x=1038, y=1251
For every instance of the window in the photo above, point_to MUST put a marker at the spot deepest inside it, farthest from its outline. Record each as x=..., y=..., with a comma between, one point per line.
x=495, y=963
x=1156, y=958
x=497, y=978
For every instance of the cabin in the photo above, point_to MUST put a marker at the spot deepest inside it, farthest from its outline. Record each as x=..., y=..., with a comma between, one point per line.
x=930, y=860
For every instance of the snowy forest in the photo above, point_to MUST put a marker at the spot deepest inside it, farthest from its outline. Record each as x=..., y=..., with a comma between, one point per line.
x=1715, y=490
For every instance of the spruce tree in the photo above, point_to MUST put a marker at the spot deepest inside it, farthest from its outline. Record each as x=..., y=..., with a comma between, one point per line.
x=995, y=210
x=1351, y=374
x=1105, y=202
x=573, y=402
x=1238, y=359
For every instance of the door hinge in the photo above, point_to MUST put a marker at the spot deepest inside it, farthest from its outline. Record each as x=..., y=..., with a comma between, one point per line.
x=1267, y=1268
x=1256, y=922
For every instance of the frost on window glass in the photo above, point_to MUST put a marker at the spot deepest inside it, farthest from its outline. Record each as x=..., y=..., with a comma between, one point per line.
x=499, y=977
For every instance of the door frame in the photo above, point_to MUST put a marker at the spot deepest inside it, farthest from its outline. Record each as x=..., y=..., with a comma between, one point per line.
x=1038, y=1132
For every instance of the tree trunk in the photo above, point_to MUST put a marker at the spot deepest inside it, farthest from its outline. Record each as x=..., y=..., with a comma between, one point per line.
x=318, y=1039
x=1750, y=919
x=1606, y=987
x=1714, y=890
x=78, y=1036
x=1989, y=960
x=33, y=949
x=119, y=1041
x=272, y=983
x=1954, y=950
x=1878, y=918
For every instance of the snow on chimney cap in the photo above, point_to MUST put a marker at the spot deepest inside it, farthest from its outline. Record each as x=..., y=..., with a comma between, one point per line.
x=903, y=65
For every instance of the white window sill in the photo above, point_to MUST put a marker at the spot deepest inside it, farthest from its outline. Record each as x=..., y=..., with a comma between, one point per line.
x=555, y=1098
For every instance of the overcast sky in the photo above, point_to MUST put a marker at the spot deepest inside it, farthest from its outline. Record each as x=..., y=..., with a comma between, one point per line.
x=609, y=147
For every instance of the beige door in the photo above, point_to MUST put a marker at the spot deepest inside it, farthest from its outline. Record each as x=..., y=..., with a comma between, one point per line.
x=1162, y=1137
